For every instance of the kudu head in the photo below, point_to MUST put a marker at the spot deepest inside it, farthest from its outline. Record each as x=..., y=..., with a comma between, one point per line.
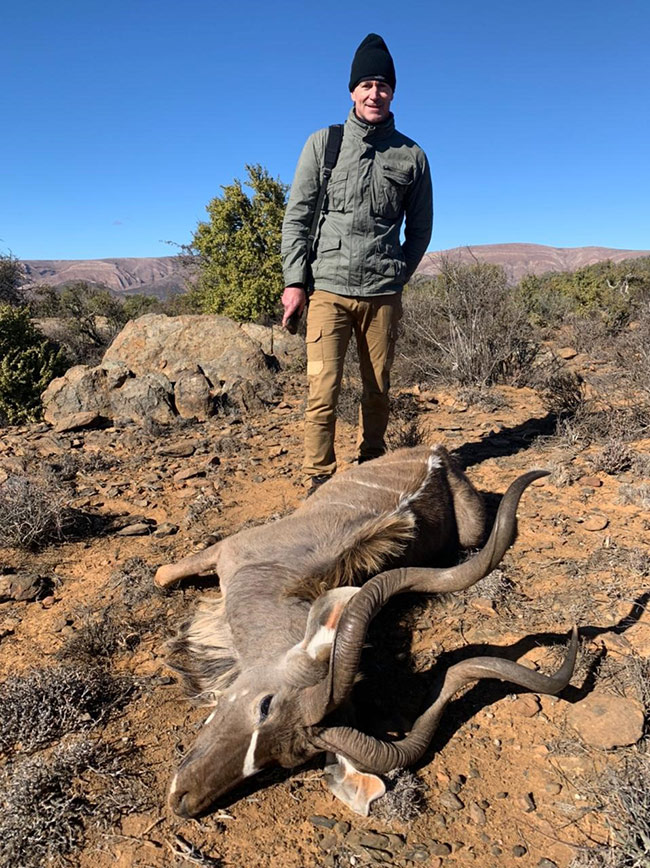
x=277, y=714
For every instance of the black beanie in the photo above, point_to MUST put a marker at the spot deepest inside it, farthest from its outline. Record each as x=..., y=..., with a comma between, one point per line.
x=372, y=60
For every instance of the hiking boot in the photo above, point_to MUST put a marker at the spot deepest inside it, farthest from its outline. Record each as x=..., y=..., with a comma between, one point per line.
x=315, y=483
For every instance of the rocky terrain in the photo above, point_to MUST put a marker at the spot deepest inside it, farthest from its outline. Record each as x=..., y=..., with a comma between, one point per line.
x=164, y=276
x=511, y=779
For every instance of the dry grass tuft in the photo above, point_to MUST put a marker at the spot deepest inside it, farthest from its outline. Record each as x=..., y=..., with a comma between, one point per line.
x=622, y=796
x=404, y=800
x=614, y=457
x=635, y=495
x=33, y=512
x=40, y=707
x=46, y=802
x=134, y=579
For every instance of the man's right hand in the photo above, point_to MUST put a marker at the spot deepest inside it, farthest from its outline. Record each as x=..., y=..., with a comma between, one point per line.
x=294, y=299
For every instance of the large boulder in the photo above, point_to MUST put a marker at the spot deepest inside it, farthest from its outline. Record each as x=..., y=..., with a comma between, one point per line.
x=159, y=367
x=83, y=390
x=171, y=345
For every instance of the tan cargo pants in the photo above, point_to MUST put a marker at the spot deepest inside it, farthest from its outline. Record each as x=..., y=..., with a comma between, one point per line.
x=331, y=319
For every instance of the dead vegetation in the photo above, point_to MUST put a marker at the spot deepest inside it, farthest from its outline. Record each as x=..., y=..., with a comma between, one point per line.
x=47, y=802
x=33, y=511
x=47, y=703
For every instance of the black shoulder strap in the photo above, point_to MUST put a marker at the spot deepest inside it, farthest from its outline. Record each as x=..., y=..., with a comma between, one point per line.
x=332, y=149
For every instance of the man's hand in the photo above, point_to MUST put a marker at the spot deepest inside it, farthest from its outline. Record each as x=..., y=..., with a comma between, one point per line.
x=294, y=299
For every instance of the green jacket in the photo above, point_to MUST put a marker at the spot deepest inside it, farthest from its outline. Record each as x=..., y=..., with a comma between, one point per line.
x=380, y=177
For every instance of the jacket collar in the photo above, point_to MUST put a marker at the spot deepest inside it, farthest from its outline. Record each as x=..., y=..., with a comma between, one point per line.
x=362, y=130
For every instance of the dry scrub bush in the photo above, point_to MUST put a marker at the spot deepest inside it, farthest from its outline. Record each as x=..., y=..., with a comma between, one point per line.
x=613, y=458
x=404, y=799
x=466, y=328
x=33, y=511
x=635, y=495
x=622, y=796
x=43, y=705
x=46, y=802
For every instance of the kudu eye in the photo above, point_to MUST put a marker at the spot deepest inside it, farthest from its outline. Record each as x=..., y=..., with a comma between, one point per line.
x=265, y=706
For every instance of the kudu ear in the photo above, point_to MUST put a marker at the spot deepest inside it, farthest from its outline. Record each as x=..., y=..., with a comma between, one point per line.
x=323, y=620
x=307, y=663
x=356, y=789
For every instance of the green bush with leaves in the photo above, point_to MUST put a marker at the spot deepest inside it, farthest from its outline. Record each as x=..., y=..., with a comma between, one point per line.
x=240, y=270
x=28, y=363
x=11, y=277
x=608, y=291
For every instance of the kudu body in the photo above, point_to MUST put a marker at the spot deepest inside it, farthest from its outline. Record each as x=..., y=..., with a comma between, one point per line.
x=279, y=652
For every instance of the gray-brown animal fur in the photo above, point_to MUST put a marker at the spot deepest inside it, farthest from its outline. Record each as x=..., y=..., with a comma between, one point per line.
x=279, y=652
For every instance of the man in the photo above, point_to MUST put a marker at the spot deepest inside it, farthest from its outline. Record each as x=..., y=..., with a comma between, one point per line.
x=358, y=265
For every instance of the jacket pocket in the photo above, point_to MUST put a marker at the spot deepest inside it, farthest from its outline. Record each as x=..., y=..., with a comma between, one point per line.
x=390, y=185
x=336, y=192
x=314, y=345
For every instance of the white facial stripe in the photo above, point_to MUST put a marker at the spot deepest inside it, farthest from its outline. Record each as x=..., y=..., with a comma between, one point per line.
x=322, y=638
x=209, y=717
x=172, y=787
x=249, y=761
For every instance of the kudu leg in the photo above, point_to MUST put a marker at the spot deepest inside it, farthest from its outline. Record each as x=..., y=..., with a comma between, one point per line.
x=192, y=565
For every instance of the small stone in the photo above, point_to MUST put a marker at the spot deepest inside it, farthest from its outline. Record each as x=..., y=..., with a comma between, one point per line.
x=341, y=827
x=546, y=863
x=525, y=803
x=553, y=788
x=501, y=795
x=418, y=853
x=328, y=841
x=483, y=605
x=324, y=822
x=595, y=522
x=373, y=840
x=519, y=850
x=439, y=849
x=77, y=420
x=477, y=814
x=496, y=850
x=178, y=450
x=527, y=705
x=591, y=481
x=396, y=843
x=567, y=353
x=140, y=528
x=165, y=529
x=188, y=473
x=451, y=802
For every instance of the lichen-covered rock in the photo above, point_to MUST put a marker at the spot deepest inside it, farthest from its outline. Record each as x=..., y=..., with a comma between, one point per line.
x=83, y=390
x=193, y=396
x=150, y=397
x=171, y=345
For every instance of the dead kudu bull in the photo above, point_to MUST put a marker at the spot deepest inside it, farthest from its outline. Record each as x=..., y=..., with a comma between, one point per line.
x=279, y=652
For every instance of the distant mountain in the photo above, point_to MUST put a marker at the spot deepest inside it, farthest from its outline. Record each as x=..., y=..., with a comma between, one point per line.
x=164, y=276
x=521, y=259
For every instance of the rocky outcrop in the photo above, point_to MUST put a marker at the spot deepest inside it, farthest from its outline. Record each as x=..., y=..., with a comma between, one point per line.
x=161, y=367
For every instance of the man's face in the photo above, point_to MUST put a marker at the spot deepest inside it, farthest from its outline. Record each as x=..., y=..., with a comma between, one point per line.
x=372, y=101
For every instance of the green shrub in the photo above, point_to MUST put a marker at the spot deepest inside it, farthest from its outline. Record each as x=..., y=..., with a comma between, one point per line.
x=606, y=291
x=240, y=271
x=28, y=363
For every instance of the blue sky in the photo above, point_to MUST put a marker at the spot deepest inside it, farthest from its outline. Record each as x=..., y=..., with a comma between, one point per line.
x=121, y=120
